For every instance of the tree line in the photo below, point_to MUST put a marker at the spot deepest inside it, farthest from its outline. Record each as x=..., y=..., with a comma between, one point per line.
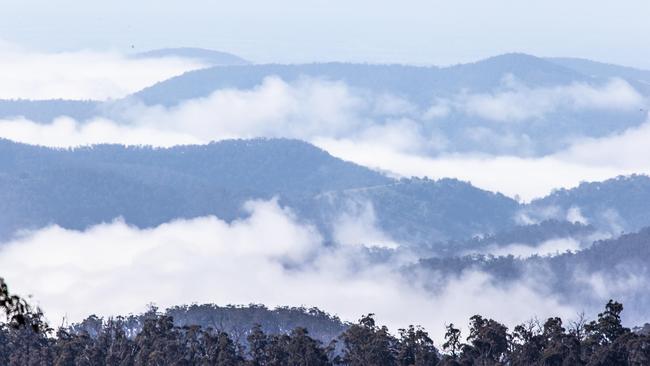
x=25, y=339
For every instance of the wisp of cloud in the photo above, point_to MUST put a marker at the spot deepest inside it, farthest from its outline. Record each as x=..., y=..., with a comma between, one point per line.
x=268, y=257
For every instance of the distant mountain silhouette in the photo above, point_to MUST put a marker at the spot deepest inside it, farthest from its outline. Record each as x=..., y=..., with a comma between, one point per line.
x=210, y=57
x=619, y=204
x=531, y=70
x=615, y=268
x=467, y=131
x=544, y=132
x=639, y=78
x=420, y=212
x=47, y=110
x=77, y=188
x=418, y=84
x=531, y=235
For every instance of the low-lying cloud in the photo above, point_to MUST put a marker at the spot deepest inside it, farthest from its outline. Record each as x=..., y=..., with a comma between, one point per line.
x=82, y=75
x=358, y=227
x=67, y=132
x=523, y=250
x=517, y=102
x=380, y=131
x=527, y=178
x=268, y=257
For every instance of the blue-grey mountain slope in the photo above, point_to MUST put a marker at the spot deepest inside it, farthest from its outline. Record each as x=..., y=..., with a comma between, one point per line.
x=80, y=187
x=638, y=77
x=516, y=76
x=45, y=111
x=210, y=57
x=420, y=213
x=618, y=205
x=615, y=268
x=532, y=235
x=77, y=188
x=418, y=84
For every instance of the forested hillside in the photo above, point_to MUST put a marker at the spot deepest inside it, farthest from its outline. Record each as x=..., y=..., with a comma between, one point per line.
x=532, y=235
x=159, y=340
x=615, y=266
x=638, y=77
x=618, y=204
x=234, y=320
x=147, y=187
x=560, y=100
x=419, y=212
x=78, y=188
x=417, y=84
x=354, y=183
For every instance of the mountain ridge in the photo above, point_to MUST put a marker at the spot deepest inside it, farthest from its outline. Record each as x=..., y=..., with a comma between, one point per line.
x=208, y=56
x=149, y=186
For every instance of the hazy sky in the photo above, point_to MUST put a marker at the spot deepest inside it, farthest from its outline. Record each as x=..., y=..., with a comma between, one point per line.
x=411, y=31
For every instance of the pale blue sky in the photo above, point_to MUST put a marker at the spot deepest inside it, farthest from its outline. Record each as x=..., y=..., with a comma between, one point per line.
x=408, y=31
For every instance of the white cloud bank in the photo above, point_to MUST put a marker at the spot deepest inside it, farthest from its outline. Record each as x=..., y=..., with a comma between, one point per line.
x=82, y=75
x=527, y=178
x=518, y=102
x=522, y=250
x=266, y=258
x=379, y=131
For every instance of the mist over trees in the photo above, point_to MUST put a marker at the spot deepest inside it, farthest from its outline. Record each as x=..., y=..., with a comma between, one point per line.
x=581, y=245
x=606, y=267
x=449, y=227
x=157, y=339
x=439, y=93
x=148, y=187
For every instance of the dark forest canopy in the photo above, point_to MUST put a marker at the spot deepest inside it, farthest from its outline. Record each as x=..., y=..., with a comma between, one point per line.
x=160, y=341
